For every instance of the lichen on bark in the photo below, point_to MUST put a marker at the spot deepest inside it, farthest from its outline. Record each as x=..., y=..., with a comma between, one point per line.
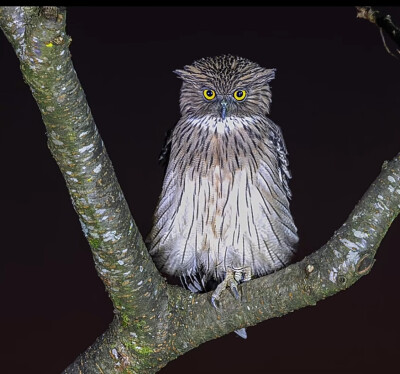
x=155, y=322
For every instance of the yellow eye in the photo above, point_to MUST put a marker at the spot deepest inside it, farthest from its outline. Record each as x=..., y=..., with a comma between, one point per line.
x=209, y=94
x=239, y=95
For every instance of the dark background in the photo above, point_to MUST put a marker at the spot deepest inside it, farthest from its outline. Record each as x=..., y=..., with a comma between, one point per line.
x=336, y=97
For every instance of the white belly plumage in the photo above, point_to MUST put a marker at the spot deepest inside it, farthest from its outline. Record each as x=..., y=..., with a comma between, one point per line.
x=226, y=207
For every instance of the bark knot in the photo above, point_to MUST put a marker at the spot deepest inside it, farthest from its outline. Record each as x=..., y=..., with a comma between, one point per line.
x=364, y=265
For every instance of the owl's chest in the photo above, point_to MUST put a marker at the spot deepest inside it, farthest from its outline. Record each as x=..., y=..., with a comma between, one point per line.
x=222, y=202
x=216, y=217
x=218, y=150
x=217, y=191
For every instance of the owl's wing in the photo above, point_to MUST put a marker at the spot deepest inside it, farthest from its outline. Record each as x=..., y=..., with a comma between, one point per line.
x=163, y=159
x=281, y=152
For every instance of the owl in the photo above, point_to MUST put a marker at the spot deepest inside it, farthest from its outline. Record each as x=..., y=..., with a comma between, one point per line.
x=223, y=215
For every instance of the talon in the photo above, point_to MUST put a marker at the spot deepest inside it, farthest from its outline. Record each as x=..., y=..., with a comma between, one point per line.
x=235, y=290
x=233, y=277
x=214, y=301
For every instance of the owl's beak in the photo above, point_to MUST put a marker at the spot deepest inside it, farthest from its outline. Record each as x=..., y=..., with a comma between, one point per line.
x=224, y=104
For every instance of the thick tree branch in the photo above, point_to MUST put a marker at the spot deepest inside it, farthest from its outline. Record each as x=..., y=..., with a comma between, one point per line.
x=154, y=322
x=383, y=21
x=121, y=258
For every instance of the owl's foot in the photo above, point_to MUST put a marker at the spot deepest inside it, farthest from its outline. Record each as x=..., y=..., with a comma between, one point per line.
x=233, y=277
x=230, y=282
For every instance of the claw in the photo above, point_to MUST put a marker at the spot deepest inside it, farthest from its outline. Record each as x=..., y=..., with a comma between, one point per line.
x=234, y=289
x=233, y=277
x=214, y=301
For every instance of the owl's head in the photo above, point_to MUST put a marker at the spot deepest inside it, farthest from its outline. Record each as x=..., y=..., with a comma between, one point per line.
x=225, y=86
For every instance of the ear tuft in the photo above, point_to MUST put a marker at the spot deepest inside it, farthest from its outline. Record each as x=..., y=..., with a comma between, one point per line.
x=266, y=75
x=189, y=73
x=180, y=73
x=269, y=74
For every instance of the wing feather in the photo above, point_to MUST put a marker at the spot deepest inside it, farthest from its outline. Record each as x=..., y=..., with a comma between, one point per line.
x=282, y=153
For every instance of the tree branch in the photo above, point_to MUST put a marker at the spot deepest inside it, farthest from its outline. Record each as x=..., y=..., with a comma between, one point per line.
x=383, y=21
x=156, y=322
x=120, y=256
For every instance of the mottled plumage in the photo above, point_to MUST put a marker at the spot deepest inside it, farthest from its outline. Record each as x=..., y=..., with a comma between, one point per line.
x=225, y=198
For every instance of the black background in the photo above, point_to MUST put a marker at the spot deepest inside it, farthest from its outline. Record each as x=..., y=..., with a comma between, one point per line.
x=336, y=98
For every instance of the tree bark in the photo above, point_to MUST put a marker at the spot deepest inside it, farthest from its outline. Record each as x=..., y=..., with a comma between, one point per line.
x=155, y=322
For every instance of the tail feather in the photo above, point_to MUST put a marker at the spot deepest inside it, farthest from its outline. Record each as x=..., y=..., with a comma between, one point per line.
x=242, y=333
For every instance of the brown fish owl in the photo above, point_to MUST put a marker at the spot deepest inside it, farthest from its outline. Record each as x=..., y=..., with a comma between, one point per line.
x=223, y=215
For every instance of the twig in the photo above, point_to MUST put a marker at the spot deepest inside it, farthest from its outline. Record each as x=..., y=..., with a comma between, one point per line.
x=383, y=21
